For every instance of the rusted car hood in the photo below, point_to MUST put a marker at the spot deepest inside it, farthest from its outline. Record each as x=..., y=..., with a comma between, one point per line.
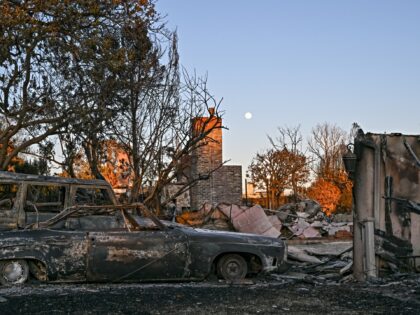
x=232, y=237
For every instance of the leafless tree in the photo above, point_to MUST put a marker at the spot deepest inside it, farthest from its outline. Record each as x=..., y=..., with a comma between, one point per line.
x=291, y=140
x=327, y=143
x=156, y=128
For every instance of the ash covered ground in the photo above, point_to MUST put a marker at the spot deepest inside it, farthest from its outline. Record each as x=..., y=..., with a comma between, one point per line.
x=399, y=294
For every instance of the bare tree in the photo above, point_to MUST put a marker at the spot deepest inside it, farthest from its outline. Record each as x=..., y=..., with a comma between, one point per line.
x=290, y=139
x=332, y=187
x=327, y=143
x=155, y=129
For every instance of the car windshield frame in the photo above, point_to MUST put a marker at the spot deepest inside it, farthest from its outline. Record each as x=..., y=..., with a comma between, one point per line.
x=82, y=210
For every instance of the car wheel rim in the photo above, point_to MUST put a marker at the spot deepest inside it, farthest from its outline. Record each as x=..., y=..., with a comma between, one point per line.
x=233, y=269
x=14, y=272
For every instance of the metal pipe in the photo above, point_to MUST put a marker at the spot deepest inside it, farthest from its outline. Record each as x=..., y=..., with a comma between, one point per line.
x=369, y=238
x=376, y=187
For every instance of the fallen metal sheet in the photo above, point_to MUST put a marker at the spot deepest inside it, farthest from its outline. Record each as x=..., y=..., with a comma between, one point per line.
x=275, y=221
x=311, y=232
x=317, y=224
x=299, y=227
x=250, y=220
x=327, y=249
x=346, y=269
x=299, y=254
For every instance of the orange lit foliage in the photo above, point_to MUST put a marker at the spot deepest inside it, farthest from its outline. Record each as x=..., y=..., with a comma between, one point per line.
x=332, y=188
x=15, y=160
x=113, y=167
x=326, y=193
x=81, y=169
x=334, y=195
x=346, y=199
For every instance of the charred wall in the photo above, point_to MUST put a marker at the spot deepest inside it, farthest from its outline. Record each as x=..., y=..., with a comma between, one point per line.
x=387, y=203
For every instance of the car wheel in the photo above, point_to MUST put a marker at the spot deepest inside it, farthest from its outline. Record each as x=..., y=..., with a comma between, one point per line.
x=232, y=267
x=13, y=272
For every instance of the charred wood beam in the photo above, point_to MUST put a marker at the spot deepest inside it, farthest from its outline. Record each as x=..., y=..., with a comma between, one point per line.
x=405, y=204
x=411, y=151
x=393, y=250
x=402, y=264
x=393, y=244
x=388, y=204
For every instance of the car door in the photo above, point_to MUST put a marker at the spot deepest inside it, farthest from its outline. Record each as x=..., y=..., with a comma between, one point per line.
x=137, y=255
x=67, y=254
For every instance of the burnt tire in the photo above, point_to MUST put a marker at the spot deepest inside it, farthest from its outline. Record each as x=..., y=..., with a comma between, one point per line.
x=13, y=272
x=232, y=267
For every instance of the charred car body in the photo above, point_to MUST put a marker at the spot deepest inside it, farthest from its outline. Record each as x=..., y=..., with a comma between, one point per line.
x=90, y=238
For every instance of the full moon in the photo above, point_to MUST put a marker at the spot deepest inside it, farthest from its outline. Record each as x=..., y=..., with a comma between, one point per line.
x=248, y=115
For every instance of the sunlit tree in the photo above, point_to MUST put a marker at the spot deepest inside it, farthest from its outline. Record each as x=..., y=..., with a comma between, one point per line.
x=277, y=170
x=327, y=143
x=291, y=140
x=332, y=187
x=326, y=193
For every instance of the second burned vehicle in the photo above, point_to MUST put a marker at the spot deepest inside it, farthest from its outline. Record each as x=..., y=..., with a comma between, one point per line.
x=107, y=242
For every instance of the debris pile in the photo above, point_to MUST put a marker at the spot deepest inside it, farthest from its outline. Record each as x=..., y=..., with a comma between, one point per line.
x=233, y=218
x=396, y=253
x=207, y=217
x=303, y=220
x=326, y=260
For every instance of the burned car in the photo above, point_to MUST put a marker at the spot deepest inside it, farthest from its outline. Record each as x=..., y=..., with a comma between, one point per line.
x=116, y=243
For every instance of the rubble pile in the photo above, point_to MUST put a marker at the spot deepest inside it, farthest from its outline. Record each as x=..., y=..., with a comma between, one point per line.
x=207, y=217
x=303, y=220
x=230, y=217
x=325, y=260
x=396, y=253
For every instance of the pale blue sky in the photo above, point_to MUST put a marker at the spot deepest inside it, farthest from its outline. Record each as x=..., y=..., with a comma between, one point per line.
x=303, y=62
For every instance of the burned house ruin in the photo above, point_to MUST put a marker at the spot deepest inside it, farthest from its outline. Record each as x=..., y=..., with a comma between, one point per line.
x=387, y=203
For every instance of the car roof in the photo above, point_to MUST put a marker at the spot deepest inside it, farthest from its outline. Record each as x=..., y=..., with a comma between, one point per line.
x=9, y=176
